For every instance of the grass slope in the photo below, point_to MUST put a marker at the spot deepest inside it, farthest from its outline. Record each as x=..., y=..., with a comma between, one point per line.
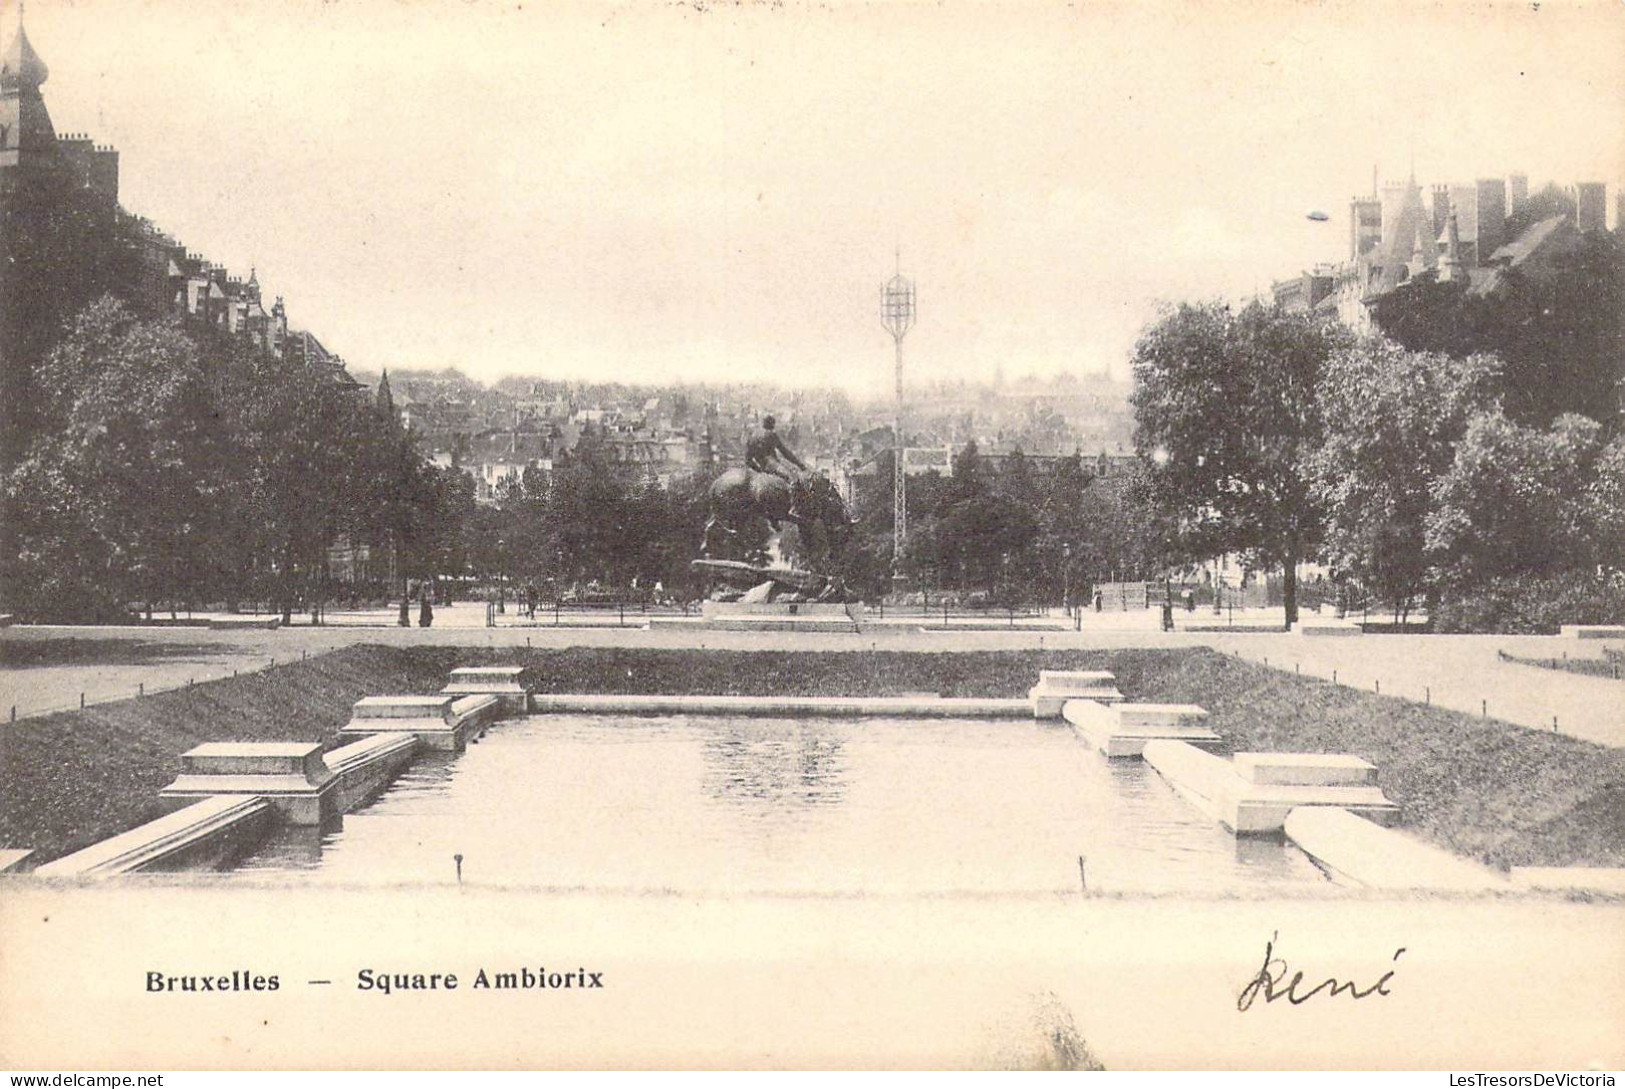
x=75, y=777
x=1487, y=789
x=1497, y=792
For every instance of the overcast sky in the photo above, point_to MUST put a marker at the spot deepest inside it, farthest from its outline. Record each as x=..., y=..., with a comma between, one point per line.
x=644, y=192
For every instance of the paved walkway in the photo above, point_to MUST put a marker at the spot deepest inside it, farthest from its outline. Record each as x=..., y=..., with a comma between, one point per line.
x=1461, y=672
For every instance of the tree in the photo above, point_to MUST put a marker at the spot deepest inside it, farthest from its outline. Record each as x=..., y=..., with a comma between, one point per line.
x=308, y=446
x=1517, y=500
x=1605, y=501
x=1124, y=536
x=1225, y=411
x=586, y=514
x=1560, y=327
x=1392, y=419
x=61, y=248
x=131, y=429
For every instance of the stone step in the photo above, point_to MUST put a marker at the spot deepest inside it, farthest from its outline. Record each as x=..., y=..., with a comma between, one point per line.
x=455, y=720
x=1122, y=730
x=504, y=673
x=436, y=706
x=1593, y=631
x=1158, y=715
x=1056, y=686
x=774, y=706
x=1352, y=848
x=1329, y=628
x=500, y=681
x=292, y=776
x=234, y=623
x=1604, y=879
x=1214, y=785
x=301, y=758
x=367, y=766
x=14, y=859
x=203, y=835
x=1305, y=769
x=1077, y=678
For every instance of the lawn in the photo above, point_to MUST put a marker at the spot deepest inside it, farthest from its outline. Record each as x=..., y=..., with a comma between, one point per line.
x=1487, y=789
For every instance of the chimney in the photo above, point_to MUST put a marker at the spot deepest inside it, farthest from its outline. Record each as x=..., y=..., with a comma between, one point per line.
x=1492, y=215
x=1517, y=192
x=1450, y=267
x=1590, y=206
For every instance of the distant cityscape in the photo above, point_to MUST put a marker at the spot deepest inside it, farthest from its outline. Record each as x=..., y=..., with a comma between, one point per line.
x=669, y=433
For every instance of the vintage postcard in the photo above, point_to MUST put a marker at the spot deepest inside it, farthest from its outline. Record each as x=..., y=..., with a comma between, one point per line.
x=858, y=535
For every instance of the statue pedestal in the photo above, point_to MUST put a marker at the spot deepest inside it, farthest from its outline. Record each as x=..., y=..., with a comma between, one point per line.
x=781, y=616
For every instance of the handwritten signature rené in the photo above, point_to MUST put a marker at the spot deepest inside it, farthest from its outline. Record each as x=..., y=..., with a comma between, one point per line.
x=1268, y=982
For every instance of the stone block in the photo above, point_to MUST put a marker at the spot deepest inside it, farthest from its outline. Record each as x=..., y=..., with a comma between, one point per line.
x=1056, y=686
x=414, y=707
x=292, y=776
x=1329, y=628
x=436, y=733
x=594, y=703
x=504, y=674
x=236, y=623
x=1214, y=785
x=14, y=859
x=1077, y=678
x=1604, y=879
x=364, y=768
x=504, y=682
x=1357, y=852
x=1122, y=730
x=301, y=758
x=210, y=832
x=1593, y=631
x=1304, y=769
x=445, y=722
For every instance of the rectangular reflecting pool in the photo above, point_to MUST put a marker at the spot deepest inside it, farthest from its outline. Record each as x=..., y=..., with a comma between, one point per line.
x=731, y=805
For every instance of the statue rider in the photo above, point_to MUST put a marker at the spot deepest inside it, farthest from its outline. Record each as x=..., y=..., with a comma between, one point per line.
x=766, y=452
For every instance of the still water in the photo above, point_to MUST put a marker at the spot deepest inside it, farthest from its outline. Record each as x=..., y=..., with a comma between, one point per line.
x=786, y=806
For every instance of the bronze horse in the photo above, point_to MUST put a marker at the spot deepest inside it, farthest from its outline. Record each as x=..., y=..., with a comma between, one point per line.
x=742, y=499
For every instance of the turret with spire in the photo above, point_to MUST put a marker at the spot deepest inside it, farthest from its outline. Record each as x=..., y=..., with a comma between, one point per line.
x=26, y=131
x=384, y=399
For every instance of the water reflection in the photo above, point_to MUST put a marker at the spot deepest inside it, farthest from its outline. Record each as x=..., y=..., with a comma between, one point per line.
x=764, y=771
x=293, y=847
x=732, y=805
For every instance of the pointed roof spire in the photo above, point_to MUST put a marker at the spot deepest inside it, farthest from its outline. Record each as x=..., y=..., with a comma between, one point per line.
x=20, y=66
x=385, y=400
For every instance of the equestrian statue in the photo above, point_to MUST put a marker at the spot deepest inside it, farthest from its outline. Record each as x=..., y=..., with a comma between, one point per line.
x=773, y=524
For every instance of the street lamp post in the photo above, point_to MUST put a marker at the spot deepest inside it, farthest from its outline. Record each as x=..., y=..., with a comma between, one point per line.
x=1066, y=578
x=1160, y=458
x=502, y=575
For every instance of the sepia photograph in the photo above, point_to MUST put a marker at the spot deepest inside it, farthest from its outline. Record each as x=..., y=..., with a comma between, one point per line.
x=661, y=536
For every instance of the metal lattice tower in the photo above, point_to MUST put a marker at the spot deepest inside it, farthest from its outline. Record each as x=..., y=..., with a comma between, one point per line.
x=897, y=313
